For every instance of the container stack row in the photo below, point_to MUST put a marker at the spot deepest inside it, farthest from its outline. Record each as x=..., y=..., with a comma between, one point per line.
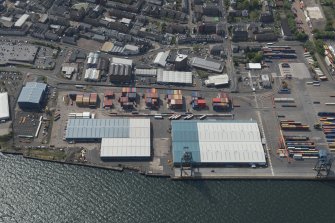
x=292, y=125
x=300, y=146
x=87, y=100
x=327, y=121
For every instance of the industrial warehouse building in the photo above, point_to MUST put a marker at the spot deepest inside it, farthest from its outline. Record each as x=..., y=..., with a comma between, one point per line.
x=17, y=54
x=206, y=64
x=120, y=138
x=217, y=142
x=175, y=77
x=4, y=106
x=217, y=80
x=32, y=96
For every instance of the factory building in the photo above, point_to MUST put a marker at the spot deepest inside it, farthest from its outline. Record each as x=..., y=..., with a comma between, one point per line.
x=145, y=72
x=120, y=138
x=4, y=106
x=175, y=77
x=92, y=74
x=92, y=59
x=218, y=143
x=120, y=72
x=17, y=54
x=32, y=96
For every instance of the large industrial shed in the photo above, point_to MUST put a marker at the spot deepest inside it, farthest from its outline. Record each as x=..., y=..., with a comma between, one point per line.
x=217, y=143
x=175, y=77
x=4, y=106
x=32, y=96
x=120, y=138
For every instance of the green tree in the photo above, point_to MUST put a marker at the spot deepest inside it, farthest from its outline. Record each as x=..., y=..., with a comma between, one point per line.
x=319, y=47
x=257, y=57
x=254, y=4
x=309, y=45
x=301, y=36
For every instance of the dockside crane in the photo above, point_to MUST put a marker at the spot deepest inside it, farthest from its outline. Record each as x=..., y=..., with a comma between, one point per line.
x=324, y=164
x=186, y=162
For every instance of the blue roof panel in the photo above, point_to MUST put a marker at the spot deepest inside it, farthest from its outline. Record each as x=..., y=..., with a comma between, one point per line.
x=32, y=92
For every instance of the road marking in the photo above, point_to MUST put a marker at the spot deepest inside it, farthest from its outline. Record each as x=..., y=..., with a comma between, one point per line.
x=263, y=133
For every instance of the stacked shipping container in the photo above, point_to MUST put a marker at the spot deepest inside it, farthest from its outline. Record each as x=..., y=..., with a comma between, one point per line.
x=198, y=102
x=128, y=97
x=108, y=102
x=221, y=102
x=85, y=100
x=293, y=125
x=151, y=98
x=300, y=146
x=174, y=99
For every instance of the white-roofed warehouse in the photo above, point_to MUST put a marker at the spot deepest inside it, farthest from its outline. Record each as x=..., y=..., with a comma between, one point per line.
x=218, y=142
x=4, y=106
x=120, y=138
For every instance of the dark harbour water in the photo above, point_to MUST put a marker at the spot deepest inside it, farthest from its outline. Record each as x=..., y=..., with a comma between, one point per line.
x=34, y=191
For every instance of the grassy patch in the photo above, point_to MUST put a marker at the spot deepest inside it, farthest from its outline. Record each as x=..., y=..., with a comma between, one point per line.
x=6, y=138
x=46, y=154
x=202, y=74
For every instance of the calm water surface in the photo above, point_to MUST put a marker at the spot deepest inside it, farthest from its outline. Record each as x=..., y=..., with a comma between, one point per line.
x=34, y=191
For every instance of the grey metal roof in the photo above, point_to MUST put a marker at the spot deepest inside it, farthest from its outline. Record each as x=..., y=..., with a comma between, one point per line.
x=97, y=128
x=107, y=128
x=146, y=72
x=206, y=64
x=32, y=92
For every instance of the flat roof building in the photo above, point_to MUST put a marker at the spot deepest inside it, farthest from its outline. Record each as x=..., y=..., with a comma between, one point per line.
x=17, y=54
x=4, y=106
x=254, y=66
x=218, y=142
x=206, y=64
x=32, y=96
x=175, y=77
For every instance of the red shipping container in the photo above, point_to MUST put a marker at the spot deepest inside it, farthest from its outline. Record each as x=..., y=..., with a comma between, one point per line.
x=216, y=100
x=201, y=102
